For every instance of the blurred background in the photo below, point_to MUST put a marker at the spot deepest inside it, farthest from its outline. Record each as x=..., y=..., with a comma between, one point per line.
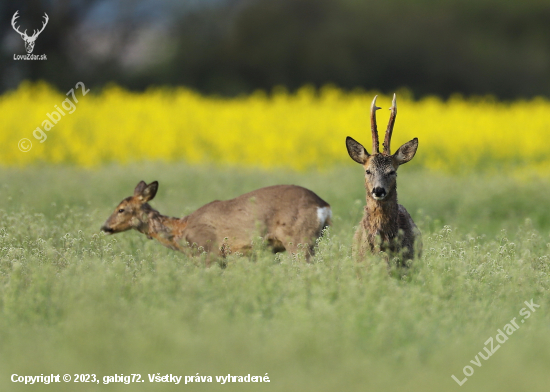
x=232, y=47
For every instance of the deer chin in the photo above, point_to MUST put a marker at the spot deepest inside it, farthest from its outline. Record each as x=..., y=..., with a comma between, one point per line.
x=378, y=197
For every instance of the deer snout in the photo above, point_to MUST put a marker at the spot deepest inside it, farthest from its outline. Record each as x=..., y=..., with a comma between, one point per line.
x=107, y=229
x=379, y=193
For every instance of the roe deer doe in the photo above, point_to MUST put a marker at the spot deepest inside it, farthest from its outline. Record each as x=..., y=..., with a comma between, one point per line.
x=283, y=215
x=386, y=226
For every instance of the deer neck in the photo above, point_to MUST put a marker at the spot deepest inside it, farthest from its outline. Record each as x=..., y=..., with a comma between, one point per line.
x=166, y=230
x=381, y=216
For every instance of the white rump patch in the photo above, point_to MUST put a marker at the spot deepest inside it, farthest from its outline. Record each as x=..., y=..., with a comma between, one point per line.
x=323, y=214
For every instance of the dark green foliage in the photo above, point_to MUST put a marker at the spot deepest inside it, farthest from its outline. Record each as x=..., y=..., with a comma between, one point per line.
x=497, y=47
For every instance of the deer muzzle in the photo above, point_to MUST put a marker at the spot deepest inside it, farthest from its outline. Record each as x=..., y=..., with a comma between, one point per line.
x=107, y=229
x=379, y=193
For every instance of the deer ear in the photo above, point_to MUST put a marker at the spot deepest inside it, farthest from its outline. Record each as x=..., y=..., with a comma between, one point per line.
x=149, y=192
x=139, y=188
x=406, y=152
x=356, y=151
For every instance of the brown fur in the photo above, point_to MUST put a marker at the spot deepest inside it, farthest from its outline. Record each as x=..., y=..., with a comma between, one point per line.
x=283, y=215
x=386, y=225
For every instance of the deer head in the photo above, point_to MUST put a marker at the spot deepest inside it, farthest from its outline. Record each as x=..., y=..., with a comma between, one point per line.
x=381, y=167
x=29, y=41
x=132, y=211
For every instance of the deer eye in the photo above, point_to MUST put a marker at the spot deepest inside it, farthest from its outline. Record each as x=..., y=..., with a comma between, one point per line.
x=121, y=211
x=391, y=173
x=368, y=171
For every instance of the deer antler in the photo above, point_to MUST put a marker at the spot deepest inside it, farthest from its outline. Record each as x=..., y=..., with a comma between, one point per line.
x=373, y=128
x=35, y=32
x=15, y=16
x=43, y=26
x=389, y=130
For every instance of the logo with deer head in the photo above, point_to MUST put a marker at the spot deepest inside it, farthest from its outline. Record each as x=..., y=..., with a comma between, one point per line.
x=29, y=41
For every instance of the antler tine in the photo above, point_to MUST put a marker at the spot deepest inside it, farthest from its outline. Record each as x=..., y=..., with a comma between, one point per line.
x=46, y=20
x=389, y=130
x=13, y=19
x=45, y=16
x=374, y=129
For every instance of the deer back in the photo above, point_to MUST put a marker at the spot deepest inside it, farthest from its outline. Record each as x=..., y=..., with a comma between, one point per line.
x=280, y=213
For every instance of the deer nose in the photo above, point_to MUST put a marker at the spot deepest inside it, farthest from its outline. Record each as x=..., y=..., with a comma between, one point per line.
x=379, y=193
x=107, y=229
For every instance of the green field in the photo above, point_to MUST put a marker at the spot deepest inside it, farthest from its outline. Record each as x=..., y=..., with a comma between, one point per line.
x=73, y=300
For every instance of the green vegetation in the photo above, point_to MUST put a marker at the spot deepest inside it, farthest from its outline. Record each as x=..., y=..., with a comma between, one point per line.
x=73, y=300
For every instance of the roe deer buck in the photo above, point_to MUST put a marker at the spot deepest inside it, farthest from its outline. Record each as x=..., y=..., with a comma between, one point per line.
x=386, y=226
x=284, y=215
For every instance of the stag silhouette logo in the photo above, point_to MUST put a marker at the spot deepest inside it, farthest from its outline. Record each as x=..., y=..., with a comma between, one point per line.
x=29, y=41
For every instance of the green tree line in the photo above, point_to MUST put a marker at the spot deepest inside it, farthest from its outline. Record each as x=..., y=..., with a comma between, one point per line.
x=499, y=47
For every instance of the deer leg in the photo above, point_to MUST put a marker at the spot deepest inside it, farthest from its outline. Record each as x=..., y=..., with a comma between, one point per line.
x=300, y=245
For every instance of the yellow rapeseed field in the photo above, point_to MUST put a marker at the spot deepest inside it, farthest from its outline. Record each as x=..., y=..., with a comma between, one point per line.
x=299, y=130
